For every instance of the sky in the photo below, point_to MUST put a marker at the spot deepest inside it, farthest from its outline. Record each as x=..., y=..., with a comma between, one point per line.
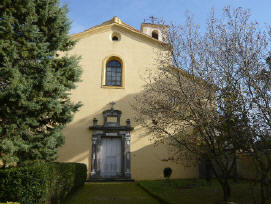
x=87, y=13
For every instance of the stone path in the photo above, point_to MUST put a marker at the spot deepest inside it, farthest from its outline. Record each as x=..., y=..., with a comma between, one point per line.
x=113, y=193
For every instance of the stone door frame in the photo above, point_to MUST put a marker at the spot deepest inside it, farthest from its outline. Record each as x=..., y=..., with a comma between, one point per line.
x=110, y=130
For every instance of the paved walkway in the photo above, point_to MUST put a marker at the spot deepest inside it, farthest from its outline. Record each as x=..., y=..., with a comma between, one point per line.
x=113, y=193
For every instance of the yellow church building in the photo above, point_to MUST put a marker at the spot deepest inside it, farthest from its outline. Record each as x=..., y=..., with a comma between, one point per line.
x=103, y=134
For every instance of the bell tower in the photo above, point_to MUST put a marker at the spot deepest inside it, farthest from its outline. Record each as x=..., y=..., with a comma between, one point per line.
x=153, y=28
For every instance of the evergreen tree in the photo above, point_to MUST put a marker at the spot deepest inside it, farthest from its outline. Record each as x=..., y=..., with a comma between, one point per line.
x=34, y=80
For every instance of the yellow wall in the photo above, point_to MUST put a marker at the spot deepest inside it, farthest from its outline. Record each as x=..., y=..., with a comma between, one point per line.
x=137, y=53
x=246, y=166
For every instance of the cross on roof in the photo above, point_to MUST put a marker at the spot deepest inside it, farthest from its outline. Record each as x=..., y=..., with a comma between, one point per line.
x=112, y=104
x=152, y=19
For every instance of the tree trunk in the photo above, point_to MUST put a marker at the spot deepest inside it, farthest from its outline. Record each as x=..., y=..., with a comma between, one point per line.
x=262, y=193
x=235, y=173
x=226, y=190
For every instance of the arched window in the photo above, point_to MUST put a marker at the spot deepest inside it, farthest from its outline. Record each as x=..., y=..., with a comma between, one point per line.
x=154, y=34
x=115, y=38
x=113, y=75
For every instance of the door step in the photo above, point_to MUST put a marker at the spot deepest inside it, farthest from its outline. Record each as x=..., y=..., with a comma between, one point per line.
x=110, y=180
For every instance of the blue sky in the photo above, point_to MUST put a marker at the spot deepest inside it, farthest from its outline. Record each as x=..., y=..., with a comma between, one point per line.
x=87, y=13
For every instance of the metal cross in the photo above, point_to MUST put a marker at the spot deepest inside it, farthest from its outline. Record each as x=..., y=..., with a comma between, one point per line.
x=152, y=19
x=112, y=104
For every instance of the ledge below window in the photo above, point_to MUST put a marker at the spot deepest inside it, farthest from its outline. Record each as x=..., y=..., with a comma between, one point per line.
x=112, y=87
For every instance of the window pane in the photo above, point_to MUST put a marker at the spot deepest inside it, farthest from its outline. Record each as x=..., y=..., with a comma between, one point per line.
x=113, y=73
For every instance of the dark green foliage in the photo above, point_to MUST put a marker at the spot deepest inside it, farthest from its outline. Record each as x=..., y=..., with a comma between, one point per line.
x=68, y=177
x=40, y=182
x=167, y=172
x=34, y=80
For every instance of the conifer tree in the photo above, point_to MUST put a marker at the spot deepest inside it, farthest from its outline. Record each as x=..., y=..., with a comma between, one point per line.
x=35, y=80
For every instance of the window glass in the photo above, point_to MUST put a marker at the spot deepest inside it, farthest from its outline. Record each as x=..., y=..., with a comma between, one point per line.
x=113, y=73
x=115, y=38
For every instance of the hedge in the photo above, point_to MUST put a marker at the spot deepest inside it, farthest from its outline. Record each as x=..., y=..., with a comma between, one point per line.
x=41, y=183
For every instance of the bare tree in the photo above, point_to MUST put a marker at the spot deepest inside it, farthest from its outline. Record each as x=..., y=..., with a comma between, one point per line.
x=198, y=99
x=258, y=83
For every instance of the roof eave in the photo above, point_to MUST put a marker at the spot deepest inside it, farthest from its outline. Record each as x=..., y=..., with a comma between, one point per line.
x=80, y=35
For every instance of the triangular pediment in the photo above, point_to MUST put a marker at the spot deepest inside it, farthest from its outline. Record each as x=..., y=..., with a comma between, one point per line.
x=115, y=21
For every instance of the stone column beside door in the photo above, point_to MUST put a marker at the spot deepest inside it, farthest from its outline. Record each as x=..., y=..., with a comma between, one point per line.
x=110, y=129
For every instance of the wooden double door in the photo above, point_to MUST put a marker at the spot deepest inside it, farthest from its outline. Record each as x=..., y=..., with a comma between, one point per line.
x=111, y=157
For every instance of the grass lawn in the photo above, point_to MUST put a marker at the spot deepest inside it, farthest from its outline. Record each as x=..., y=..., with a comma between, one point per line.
x=196, y=191
x=113, y=193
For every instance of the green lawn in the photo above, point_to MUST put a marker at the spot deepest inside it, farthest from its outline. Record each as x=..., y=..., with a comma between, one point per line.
x=113, y=193
x=180, y=191
x=195, y=191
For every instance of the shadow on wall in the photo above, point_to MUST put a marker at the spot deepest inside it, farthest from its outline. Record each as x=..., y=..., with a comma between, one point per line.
x=246, y=166
x=147, y=160
x=77, y=134
x=148, y=163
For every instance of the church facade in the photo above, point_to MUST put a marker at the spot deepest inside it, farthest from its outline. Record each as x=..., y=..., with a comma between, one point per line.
x=103, y=134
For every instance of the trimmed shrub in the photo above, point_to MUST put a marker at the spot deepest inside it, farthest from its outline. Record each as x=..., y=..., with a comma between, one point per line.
x=68, y=177
x=40, y=182
x=167, y=172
